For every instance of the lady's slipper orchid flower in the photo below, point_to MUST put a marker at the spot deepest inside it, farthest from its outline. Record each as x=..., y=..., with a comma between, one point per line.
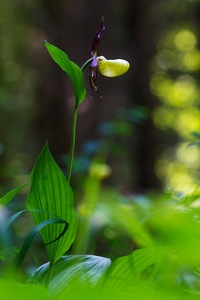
x=109, y=68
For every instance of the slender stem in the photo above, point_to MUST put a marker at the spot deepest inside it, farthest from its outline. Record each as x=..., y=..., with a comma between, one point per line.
x=49, y=274
x=72, y=147
x=74, y=122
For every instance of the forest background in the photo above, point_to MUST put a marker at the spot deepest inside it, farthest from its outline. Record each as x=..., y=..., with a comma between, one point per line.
x=146, y=127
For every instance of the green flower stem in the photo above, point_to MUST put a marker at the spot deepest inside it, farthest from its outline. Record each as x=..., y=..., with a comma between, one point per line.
x=86, y=64
x=73, y=140
x=49, y=274
x=74, y=122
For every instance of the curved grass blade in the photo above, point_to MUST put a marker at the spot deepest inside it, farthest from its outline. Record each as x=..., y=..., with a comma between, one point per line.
x=72, y=70
x=5, y=237
x=11, y=194
x=40, y=226
x=26, y=245
x=14, y=217
x=61, y=234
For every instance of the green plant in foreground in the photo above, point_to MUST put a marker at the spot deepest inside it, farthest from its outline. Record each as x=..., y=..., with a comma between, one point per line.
x=167, y=232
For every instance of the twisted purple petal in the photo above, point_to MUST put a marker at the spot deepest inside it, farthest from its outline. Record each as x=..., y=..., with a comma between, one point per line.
x=94, y=64
x=97, y=38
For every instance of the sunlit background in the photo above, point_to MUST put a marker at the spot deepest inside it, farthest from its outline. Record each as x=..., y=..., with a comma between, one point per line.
x=175, y=83
x=145, y=131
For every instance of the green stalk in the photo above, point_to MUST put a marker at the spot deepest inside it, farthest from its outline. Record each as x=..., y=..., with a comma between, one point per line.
x=74, y=122
x=49, y=274
x=87, y=63
x=72, y=147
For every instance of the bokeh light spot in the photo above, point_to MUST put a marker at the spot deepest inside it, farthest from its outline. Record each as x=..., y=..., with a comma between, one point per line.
x=191, y=60
x=160, y=84
x=189, y=155
x=181, y=181
x=182, y=92
x=187, y=121
x=163, y=117
x=185, y=40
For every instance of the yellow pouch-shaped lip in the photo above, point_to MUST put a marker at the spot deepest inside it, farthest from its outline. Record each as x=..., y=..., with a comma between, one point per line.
x=112, y=67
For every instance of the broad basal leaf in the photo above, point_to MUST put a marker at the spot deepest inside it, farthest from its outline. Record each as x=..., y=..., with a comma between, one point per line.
x=73, y=276
x=72, y=70
x=123, y=274
x=50, y=197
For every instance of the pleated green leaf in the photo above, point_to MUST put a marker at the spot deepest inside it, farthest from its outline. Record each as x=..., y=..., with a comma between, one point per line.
x=50, y=197
x=73, y=276
x=72, y=70
x=124, y=273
